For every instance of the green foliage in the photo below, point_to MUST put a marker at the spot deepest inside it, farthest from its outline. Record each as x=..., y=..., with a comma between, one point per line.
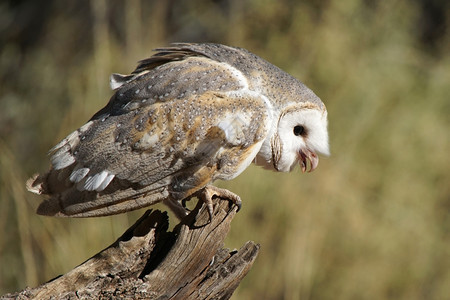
x=372, y=222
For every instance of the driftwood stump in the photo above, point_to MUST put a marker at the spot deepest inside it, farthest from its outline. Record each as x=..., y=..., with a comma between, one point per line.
x=149, y=262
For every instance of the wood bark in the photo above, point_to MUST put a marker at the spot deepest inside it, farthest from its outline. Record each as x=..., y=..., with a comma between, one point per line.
x=149, y=262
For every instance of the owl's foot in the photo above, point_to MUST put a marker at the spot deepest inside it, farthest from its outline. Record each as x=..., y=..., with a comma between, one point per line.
x=209, y=192
x=178, y=209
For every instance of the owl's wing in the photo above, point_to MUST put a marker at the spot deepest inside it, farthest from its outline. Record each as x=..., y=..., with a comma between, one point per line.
x=166, y=133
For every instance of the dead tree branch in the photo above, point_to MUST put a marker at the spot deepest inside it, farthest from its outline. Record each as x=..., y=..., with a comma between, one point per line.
x=149, y=262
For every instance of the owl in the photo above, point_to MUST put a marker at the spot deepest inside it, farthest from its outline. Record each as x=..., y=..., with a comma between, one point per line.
x=187, y=116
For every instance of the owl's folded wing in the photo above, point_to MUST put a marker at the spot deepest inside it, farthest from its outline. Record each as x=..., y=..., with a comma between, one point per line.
x=168, y=141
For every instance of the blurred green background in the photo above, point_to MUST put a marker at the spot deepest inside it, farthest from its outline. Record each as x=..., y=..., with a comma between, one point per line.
x=372, y=222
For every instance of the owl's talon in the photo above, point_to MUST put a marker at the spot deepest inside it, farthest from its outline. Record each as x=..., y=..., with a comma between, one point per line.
x=209, y=192
x=238, y=203
x=183, y=203
x=210, y=208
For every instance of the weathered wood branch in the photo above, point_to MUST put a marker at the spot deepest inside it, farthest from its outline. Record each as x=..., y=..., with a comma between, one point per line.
x=149, y=262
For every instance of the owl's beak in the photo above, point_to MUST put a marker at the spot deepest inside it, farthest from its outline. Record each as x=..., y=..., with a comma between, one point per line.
x=308, y=155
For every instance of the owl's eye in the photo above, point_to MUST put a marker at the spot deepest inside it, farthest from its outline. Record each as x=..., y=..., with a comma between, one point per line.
x=299, y=130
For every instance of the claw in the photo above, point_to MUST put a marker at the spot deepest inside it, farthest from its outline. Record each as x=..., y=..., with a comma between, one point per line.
x=183, y=203
x=210, y=208
x=208, y=192
x=238, y=204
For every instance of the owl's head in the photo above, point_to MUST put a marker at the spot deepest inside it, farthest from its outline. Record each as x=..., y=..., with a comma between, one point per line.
x=300, y=136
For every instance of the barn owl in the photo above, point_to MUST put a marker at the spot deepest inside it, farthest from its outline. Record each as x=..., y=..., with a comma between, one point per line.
x=187, y=116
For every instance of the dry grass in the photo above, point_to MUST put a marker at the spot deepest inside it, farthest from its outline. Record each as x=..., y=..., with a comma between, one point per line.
x=372, y=222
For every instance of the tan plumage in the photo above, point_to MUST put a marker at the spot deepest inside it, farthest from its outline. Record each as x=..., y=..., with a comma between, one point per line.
x=189, y=115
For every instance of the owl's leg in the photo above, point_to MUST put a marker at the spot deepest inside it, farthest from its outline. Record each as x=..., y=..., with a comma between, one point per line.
x=209, y=192
x=176, y=207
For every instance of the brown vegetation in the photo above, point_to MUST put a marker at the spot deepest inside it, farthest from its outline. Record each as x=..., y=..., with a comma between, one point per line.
x=371, y=222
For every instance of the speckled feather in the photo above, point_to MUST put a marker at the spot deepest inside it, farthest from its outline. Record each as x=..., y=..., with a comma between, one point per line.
x=189, y=115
